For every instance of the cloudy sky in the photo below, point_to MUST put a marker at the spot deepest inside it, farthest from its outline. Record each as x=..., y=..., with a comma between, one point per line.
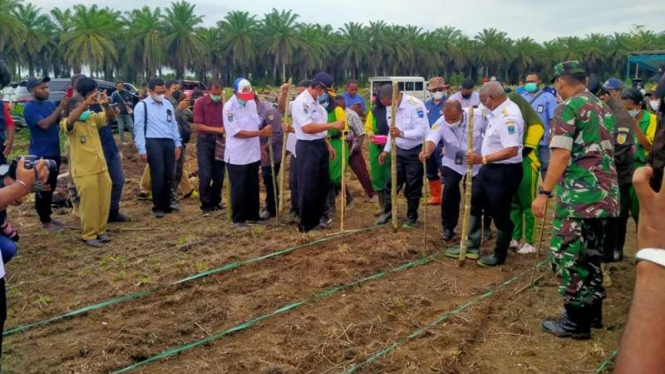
x=540, y=19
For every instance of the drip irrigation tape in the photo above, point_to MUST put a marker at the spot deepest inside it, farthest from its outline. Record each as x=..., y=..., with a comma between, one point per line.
x=442, y=318
x=284, y=309
x=607, y=362
x=138, y=294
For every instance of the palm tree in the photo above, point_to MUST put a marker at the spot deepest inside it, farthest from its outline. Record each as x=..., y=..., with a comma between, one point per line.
x=281, y=37
x=37, y=27
x=89, y=41
x=63, y=23
x=450, y=54
x=493, y=50
x=181, y=41
x=12, y=30
x=527, y=56
x=238, y=32
x=315, y=50
x=211, y=58
x=354, y=46
x=144, y=40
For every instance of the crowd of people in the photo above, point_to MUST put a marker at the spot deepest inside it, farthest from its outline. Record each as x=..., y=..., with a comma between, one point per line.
x=579, y=143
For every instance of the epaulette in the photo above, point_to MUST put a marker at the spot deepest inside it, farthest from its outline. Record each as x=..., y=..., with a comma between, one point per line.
x=413, y=101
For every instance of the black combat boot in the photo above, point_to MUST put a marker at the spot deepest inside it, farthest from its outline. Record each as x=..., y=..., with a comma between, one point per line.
x=575, y=324
x=387, y=206
x=503, y=239
x=597, y=315
x=412, y=214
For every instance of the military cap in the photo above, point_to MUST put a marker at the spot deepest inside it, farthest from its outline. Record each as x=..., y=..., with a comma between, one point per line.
x=568, y=68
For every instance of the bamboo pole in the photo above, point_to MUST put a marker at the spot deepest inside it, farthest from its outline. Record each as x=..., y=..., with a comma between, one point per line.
x=282, y=173
x=227, y=195
x=540, y=244
x=426, y=184
x=273, y=177
x=467, y=192
x=393, y=156
x=343, y=193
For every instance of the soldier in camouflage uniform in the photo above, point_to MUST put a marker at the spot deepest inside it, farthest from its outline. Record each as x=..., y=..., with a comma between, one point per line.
x=587, y=193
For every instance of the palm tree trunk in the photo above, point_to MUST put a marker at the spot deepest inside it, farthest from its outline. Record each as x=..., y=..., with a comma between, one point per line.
x=283, y=72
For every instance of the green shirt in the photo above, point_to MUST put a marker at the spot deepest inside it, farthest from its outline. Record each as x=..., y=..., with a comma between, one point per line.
x=648, y=124
x=589, y=187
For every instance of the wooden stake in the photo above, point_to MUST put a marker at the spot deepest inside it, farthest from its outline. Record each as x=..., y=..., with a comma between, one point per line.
x=282, y=173
x=540, y=243
x=467, y=193
x=227, y=194
x=393, y=156
x=426, y=184
x=343, y=193
x=273, y=176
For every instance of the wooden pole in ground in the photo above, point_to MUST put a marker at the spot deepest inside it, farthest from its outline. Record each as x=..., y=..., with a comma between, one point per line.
x=467, y=193
x=273, y=177
x=540, y=244
x=227, y=195
x=426, y=184
x=393, y=156
x=282, y=173
x=343, y=192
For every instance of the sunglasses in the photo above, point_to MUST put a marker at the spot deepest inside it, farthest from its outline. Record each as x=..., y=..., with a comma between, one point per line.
x=441, y=89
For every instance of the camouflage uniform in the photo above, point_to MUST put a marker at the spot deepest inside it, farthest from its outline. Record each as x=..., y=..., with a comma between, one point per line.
x=587, y=195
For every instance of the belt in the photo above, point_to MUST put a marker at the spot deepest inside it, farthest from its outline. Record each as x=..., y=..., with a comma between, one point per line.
x=209, y=136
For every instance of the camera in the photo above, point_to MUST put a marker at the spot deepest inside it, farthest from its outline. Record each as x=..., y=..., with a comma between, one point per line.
x=30, y=163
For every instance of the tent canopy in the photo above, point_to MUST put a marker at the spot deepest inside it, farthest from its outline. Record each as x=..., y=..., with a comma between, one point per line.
x=650, y=61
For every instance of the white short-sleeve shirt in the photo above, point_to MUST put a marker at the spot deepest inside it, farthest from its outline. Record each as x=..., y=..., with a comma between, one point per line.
x=241, y=151
x=505, y=129
x=411, y=120
x=306, y=111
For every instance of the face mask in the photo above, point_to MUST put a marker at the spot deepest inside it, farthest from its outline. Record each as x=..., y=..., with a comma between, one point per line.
x=634, y=112
x=454, y=124
x=486, y=111
x=655, y=105
x=85, y=116
x=323, y=98
x=158, y=98
x=215, y=98
x=466, y=96
x=437, y=95
x=242, y=102
x=531, y=87
x=324, y=104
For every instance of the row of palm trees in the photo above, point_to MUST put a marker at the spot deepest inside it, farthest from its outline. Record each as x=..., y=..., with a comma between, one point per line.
x=150, y=41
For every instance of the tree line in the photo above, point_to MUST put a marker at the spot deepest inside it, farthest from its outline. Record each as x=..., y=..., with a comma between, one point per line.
x=151, y=41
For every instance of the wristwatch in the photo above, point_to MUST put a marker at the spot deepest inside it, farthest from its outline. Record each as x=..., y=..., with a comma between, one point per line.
x=545, y=192
x=485, y=162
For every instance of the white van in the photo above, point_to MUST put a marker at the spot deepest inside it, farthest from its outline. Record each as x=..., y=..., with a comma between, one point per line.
x=414, y=86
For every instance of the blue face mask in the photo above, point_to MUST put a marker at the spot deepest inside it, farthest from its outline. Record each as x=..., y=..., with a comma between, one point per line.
x=323, y=98
x=85, y=116
x=531, y=87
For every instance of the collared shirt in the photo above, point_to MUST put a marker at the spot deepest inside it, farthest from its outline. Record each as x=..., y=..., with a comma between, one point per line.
x=353, y=100
x=43, y=143
x=455, y=139
x=473, y=101
x=411, y=120
x=648, y=124
x=241, y=151
x=356, y=134
x=271, y=116
x=505, y=129
x=307, y=111
x=162, y=123
x=434, y=111
x=291, y=138
x=86, y=154
x=544, y=104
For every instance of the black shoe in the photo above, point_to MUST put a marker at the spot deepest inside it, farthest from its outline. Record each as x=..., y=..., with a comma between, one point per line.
x=94, y=243
x=218, y=207
x=447, y=235
x=597, y=315
x=118, y=217
x=158, y=214
x=174, y=208
x=575, y=324
x=104, y=238
x=491, y=260
x=265, y=215
x=206, y=212
x=384, y=219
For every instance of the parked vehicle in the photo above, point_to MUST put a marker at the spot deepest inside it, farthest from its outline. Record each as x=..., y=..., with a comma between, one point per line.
x=189, y=87
x=413, y=86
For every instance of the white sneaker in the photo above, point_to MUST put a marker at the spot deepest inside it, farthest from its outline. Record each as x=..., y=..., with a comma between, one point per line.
x=526, y=249
x=514, y=244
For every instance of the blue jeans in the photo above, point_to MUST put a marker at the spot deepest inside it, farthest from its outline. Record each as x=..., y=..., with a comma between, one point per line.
x=117, y=179
x=544, y=157
x=125, y=122
x=8, y=248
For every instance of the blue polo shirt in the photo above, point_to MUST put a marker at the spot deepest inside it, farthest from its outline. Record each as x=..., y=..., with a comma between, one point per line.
x=434, y=112
x=106, y=136
x=353, y=100
x=544, y=104
x=43, y=143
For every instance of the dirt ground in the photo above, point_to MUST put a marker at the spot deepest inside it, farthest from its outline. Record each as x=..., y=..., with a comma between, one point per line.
x=55, y=274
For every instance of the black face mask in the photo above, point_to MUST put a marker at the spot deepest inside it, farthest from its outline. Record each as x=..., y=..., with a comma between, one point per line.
x=466, y=96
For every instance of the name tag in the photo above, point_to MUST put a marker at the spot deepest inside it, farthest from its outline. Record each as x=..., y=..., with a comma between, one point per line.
x=541, y=108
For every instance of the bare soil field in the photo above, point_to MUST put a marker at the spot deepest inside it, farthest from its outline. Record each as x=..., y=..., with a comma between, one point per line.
x=343, y=304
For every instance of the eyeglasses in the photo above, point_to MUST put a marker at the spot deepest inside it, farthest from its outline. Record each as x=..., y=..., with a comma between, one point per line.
x=441, y=89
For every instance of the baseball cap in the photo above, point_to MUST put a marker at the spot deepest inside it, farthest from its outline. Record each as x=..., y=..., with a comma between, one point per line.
x=613, y=84
x=305, y=83
x=567, y=68
x=326, y=81
x=243, y=89
x=34, y=82
x=467, y=84
x=437, y=82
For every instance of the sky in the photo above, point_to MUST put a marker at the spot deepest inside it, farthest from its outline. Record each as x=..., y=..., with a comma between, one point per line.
x=540, y=19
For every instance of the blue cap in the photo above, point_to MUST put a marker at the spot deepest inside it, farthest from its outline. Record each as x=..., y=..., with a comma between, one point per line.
x=34, y=82
x=613, y=84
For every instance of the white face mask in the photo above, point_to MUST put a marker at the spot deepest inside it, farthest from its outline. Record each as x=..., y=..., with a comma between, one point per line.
x=486, y=111
x=158, y=98
x=454, y=124
x=655, y=105
x=437, y=95
x=634, y=112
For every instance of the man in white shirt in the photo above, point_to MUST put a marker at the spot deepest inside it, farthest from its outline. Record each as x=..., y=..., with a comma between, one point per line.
x=310, y=123
x=466, y=95
x=453, y=130
x=501, y=174
x=410, y=131
x=243, y=153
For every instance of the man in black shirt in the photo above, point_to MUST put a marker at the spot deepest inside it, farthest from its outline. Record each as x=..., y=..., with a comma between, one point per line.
x=124, y=101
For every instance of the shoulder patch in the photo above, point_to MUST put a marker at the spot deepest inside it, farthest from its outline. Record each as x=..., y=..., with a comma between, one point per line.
x=305, y=107
x=511, y=128
x=229, y=117
x=421, y=113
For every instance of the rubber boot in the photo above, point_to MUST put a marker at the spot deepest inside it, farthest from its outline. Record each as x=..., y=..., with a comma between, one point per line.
x=597, y=315
x=503, y=239
x=473, y=243
x=575, y=324
x=435, y=193
x=412, y=214
x=387, y=215
x=382, y=200
x=487, y=226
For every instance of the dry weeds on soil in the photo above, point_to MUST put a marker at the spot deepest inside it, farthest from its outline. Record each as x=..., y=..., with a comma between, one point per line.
x=500, y=334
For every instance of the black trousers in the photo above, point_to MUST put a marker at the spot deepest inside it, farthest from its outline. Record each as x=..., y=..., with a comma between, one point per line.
x=161, y=158
x=493, y=190
x=615, y=239
x=177, y=176
x=293, y=184
x=452, y=197
x=244, y=192
x=313, y=181
x=44, y=199
x=3, y=309
x=211, y=173
x=410, y=174
x=266, y=173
